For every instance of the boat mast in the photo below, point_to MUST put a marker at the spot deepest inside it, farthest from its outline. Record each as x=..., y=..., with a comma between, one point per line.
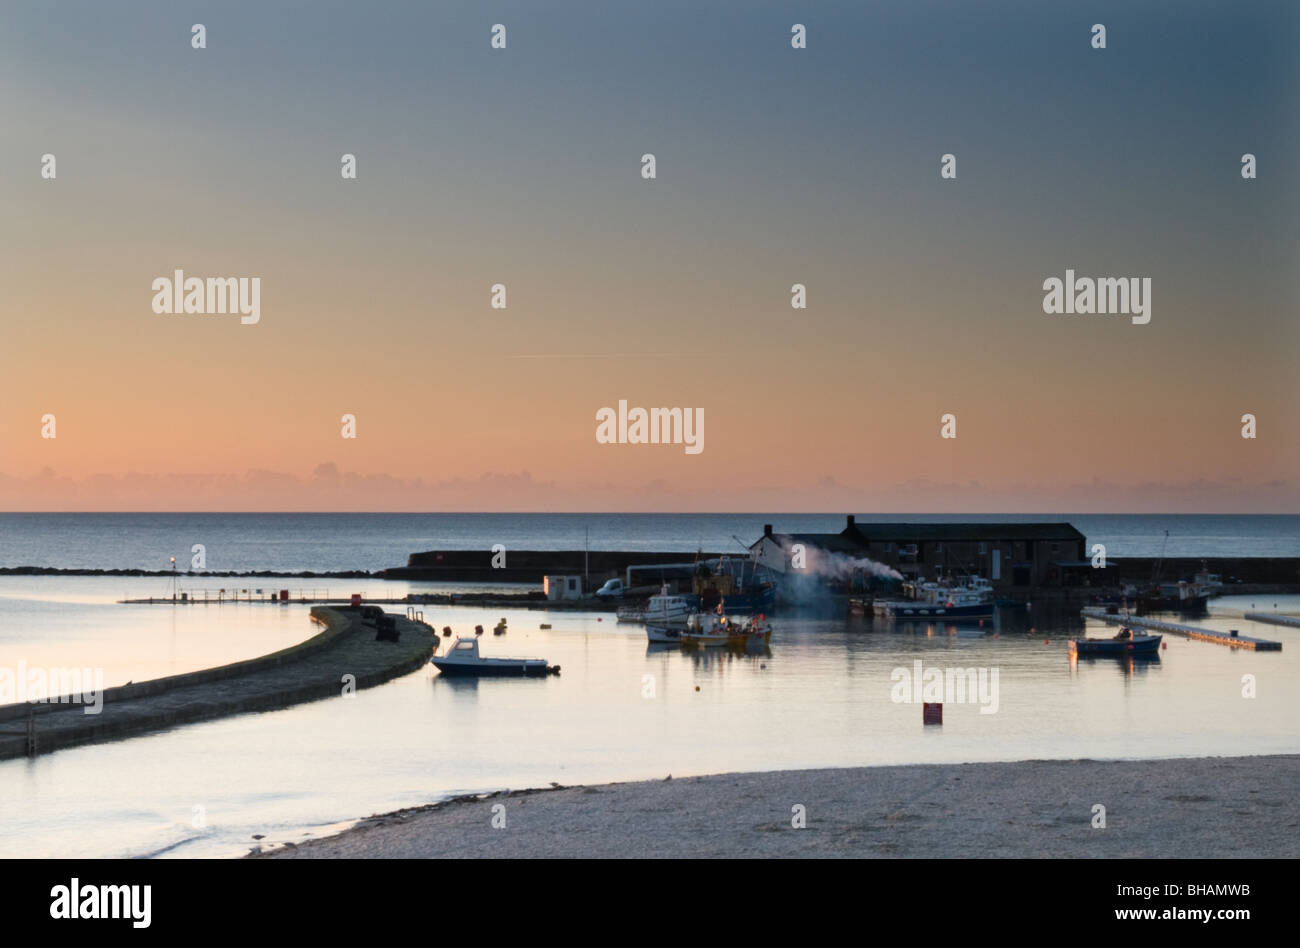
x=1160, y=562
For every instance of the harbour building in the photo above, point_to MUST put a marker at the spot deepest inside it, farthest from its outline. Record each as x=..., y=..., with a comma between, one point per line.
x=1010, y=555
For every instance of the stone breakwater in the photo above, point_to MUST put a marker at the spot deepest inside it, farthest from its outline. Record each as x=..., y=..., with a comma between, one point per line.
x=311, y=670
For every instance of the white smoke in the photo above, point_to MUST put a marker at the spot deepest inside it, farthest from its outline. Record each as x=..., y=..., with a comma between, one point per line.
x=841, y=566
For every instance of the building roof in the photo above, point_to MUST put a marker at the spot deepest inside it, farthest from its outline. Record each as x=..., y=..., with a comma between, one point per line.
x=831, y=542
x=918, y=532
x=855, y=536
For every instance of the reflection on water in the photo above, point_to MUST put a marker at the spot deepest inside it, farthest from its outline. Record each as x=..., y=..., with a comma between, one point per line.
x=1128, y=665
x=621, y=709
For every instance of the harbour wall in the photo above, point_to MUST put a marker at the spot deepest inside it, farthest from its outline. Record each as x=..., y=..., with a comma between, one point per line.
x=1251, y=574
x=529, y=566
x=310, y=670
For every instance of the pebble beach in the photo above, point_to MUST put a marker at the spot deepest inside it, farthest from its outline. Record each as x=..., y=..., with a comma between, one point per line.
x=1212, y=807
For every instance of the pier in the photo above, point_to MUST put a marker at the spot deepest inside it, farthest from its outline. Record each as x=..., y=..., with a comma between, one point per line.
x=308, y=671
x=1187, y=631
x=1274, y=619
x=531, y=600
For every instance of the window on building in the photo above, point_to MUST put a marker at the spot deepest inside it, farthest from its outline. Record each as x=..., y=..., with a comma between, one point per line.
x=984, y=548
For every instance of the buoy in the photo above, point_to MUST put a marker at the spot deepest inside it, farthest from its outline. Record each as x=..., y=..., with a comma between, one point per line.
x=599, y=619
x=478, y=630
x=1046, y=642
x=697, y=687
x=1164, y=645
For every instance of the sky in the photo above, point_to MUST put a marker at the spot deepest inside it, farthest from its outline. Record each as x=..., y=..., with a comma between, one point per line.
x=774, y=166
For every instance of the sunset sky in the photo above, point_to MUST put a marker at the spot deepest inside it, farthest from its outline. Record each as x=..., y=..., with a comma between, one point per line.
x=775, y=166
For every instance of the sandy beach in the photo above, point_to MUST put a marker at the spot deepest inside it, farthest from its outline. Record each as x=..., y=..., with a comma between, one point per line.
x=1232, y=807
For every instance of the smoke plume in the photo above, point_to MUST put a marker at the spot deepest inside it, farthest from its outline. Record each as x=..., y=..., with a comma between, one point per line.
x=841, y=566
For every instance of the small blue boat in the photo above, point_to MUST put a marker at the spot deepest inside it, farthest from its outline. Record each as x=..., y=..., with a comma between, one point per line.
x=1126, y=642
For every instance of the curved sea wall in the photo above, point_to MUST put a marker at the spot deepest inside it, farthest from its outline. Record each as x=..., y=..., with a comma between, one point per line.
x=308, y=671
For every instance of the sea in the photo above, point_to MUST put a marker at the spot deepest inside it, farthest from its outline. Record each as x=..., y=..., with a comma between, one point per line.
x=340, y=542
x=829, y=692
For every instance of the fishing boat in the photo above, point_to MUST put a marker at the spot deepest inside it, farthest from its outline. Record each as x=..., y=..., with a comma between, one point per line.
x=670, y=608
x=463, y=659
x=664, y=634
x=707, y=630
x=663, y=609
x=1183, y=595
x=712, y=630
x=940, y=601
x=1125, y=642
x=1211, y=583
x=728, y=578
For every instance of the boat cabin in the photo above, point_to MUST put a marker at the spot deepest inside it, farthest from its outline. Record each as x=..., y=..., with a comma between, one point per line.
x=464, y=648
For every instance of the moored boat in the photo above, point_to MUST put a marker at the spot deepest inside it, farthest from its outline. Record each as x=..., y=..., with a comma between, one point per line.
x=940, y=601
x=464, y=659
x=711, y=630
x=729, y=580
x=670, y=608
x=1210, y=583
x=1125, y=642
x=664, y=634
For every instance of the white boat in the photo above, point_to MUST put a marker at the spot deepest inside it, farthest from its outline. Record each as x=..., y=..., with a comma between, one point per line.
x=463, y=659
x=667, y=614
x=1183, y=592
x=669, y=608
x=1211, y=583
x=663, y=609
x=660, y=634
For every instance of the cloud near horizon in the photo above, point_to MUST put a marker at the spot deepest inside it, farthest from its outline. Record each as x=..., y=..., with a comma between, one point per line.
x=329, y=489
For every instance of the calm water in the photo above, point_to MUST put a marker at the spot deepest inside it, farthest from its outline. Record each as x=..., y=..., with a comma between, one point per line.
x=822, y=697
x=331, y=542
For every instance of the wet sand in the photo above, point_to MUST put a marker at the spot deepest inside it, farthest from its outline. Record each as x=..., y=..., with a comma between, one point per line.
x=1231, y=807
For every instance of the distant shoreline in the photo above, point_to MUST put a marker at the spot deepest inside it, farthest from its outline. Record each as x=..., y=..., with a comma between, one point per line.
x=185, y=574
x=1207, y=807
